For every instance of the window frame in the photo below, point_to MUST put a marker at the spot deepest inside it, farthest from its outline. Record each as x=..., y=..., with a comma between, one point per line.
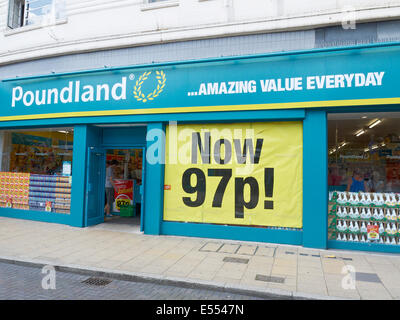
x=22, y=17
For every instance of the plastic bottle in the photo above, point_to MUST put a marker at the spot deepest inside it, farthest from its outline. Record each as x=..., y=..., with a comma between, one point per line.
x=363, y=228
x=368, y=215
x=381, y=228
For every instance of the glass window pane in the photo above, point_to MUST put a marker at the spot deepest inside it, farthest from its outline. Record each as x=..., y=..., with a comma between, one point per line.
x=36, y=169
x=364, y=177
x=44, y=11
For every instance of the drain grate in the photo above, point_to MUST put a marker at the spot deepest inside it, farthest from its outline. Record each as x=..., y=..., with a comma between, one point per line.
x=92, y=281
x=261, y=277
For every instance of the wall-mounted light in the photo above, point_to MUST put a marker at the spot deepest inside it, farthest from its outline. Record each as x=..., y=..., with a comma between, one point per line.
x=374, y=123
x=359, y=133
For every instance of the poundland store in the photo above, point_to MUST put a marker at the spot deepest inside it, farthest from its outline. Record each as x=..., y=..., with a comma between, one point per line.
x=297, y=148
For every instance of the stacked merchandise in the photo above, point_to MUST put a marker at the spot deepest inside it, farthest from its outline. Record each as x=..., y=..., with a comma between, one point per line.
x=364, y=217
x=50, y=193
x=14, y=190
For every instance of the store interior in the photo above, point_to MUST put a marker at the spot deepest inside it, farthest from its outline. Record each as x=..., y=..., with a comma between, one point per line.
x=364, y=177
x=36, y=169
x=127, y=173
x=368, y=143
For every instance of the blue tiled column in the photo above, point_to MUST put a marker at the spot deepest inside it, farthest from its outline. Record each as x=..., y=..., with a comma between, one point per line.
x=154, y=184
x=315, y=180
x=78, y=176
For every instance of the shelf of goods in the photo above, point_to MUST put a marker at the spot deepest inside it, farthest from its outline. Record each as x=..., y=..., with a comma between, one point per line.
x=364, y=217
x=14, y=190
x=53, y=190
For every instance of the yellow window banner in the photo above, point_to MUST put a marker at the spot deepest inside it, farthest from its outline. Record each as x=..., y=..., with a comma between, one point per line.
x=235, y=174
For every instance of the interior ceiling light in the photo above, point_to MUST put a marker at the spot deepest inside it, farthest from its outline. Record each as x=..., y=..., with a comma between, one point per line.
x=359, y=133
x=374, y=123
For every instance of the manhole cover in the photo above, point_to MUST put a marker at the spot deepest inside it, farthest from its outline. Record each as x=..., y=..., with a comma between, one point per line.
x=96, y=281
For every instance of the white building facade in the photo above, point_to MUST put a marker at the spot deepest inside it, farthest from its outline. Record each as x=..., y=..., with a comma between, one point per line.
x=172, y=30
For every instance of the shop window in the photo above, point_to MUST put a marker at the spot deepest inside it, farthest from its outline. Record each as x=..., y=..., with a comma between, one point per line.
x=364, y=177
x=34, y=12
x=238, y=174
x=36, y=169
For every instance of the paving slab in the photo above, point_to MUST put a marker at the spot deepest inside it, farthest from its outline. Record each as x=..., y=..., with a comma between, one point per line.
x=237, y=265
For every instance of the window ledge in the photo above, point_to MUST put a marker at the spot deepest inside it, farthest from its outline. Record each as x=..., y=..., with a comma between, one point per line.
x=10, y=32
x=158, y=5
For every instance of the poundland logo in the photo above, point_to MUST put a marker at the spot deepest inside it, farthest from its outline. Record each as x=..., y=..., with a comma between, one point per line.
x=78, y=93
x=74, y=92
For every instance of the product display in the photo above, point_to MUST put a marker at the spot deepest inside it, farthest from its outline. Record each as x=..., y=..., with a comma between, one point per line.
x=50, y=193
x=35, y=192
x=14, y=190
x=364, y=217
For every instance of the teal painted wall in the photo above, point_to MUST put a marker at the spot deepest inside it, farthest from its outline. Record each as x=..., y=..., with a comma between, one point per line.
x=128, y=136
x=315, y=179
x=154, y=180
x=213, y=83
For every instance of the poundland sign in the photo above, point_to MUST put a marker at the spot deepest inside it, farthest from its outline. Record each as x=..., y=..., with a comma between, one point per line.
x=73, y=92
x=365, y=76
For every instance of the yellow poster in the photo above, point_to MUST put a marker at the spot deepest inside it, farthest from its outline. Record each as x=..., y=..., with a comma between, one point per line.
x=235, y=174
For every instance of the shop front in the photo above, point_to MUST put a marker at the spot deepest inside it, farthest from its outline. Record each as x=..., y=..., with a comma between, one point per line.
x=297, y=148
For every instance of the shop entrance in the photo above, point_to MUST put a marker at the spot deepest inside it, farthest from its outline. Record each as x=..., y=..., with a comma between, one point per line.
x=123, y=186
x=115, y=180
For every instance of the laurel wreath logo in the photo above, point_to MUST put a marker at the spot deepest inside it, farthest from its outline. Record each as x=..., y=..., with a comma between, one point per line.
x=137, y=90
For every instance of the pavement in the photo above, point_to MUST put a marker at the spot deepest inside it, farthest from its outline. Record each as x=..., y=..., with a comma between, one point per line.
x=119, y=251
x=30, y=283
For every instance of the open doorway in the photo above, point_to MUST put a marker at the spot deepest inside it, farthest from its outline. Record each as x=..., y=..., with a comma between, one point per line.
x=123, y=197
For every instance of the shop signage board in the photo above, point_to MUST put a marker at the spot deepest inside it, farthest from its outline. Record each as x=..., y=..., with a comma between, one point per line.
x=358, y=76
x=237, y=174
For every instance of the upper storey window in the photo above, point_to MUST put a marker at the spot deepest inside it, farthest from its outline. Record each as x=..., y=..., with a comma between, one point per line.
x=34, y=12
